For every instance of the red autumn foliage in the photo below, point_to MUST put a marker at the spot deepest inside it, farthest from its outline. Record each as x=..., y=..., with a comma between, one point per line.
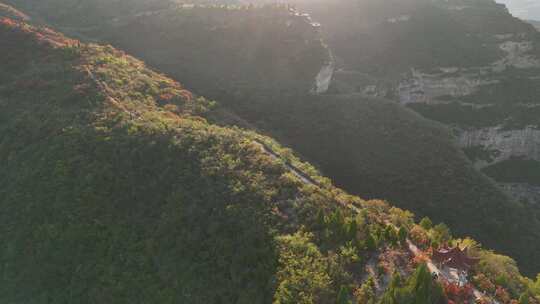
x=8, y=22
x=419, y=237
x=420, y=259
x=42, y=35
x=183, y=95
x=186, y=95
x=165, y=97
x=466, y=292
x=458, y=294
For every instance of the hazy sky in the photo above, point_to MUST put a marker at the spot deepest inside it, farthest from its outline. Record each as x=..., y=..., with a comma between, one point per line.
x=524, y=9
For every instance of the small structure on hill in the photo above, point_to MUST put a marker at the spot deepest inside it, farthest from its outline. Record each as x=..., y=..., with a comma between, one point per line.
x=456, y=258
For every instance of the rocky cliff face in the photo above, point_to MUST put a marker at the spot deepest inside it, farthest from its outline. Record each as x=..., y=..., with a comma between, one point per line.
x=420, y=87
x=429, y=87
x=468, y=64
x=466, y=88
x=462, y=85
x=503, y=144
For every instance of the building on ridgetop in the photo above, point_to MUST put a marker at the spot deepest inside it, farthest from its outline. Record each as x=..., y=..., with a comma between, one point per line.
x=456, y=258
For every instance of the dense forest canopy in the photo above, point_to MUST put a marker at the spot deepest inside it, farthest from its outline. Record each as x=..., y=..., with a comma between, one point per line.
x=114, y=190
x=264, y=60
x=120, y=185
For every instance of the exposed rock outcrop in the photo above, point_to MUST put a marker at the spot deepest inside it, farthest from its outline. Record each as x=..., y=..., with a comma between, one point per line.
x=507, y=143
x=451, y=81
x=497, y=142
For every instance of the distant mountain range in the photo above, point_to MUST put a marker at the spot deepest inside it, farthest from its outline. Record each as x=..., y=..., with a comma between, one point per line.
x=535, y=23
x=525, y=9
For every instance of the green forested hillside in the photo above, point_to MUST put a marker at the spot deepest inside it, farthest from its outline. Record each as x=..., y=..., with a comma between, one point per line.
x=112, y=191
x=377, y=149
x=115, y=189
x=260, y=66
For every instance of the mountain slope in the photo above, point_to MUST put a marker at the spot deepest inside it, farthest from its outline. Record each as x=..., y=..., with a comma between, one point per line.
x=261, y=70
x=468, y=64
x=113, y=190
x=428, y=175
x=87, y=149
x=116, y=189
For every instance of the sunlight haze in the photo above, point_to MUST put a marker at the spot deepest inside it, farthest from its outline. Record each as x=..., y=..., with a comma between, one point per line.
x=269, y=152
x=524, y=9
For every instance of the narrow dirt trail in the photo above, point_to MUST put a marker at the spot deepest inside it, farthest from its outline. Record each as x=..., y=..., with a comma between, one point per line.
x=298, y=173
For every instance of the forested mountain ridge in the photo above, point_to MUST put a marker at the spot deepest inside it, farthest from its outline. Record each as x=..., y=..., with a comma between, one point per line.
x=262, y=49
x=366, y=145
x=115, y=189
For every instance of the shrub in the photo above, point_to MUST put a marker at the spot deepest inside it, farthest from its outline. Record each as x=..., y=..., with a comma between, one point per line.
x=426, y=223
x=502, y=294
x=419, y=236
x=484, y=283
x=420, y=288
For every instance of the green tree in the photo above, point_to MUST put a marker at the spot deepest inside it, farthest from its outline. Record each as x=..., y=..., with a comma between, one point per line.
x=402, y=235
x=352, y=230
x=420, y=288
x=303, y=276
x=388, y=233
x=524, y=299
x=396, y=280
x=401, y=217
x=426, y=291
x=338, y=226
x=343, y=296
x=426, y=223
x=536, y=286
x=441, y=234
x=370, y=242
x=389, y=297
x=321, y=220
x=366, y=292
